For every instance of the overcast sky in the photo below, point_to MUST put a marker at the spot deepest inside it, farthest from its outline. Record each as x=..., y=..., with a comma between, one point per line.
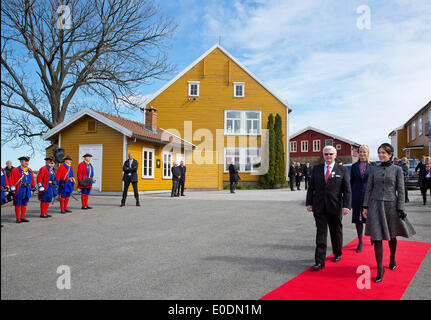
x=358, y=83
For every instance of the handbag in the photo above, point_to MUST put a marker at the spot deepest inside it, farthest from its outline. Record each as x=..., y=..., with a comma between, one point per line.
x=86, y=182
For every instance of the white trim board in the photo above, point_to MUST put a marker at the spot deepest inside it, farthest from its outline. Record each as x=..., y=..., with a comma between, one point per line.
x=157, y=93
x=92, y=114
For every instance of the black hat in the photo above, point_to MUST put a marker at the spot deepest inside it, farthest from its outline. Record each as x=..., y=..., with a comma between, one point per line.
x=87, y=155
x=67, y=158
x=24, y=158
x=49, y=159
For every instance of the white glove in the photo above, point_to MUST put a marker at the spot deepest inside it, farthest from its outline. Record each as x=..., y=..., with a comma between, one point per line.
x=41, y=189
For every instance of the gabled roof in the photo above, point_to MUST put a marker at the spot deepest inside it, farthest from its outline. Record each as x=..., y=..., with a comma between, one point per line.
x=125, y=126
x=326, y=134
x=216, y=46
x=421, y=110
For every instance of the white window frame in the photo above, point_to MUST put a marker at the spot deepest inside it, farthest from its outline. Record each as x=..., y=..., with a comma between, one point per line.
x=304, y=145
x=190, y=88
x=316, y=143
x=243, y=123
x=293, y=144
x=239, y=84
x=338, y=146
x=420, y=127
x=169, y=176
x=242, y=159
x=413, y=130
x=147, y=176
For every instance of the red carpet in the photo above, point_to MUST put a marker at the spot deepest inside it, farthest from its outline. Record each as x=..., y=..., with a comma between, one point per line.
x=338, y=281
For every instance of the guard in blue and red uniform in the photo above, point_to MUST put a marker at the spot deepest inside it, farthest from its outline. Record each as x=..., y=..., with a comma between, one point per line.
x=65, y=182
x=4, y=186
x=22, y=185
x=85, y=179
x=47, y=186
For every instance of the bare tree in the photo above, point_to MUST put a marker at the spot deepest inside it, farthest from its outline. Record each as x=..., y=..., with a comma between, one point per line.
x=54, y=52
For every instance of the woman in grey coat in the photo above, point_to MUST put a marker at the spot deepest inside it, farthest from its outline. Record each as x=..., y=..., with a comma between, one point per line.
x=384, y=208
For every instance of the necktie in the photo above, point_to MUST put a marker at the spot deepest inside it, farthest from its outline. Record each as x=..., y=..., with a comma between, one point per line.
x=328, y=169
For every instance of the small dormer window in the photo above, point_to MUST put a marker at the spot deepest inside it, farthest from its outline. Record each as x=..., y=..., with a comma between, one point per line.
x=238, y=89
x=91, y=126
x=193, y=88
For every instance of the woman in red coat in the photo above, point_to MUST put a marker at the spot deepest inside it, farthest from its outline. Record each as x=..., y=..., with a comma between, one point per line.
x=85, y=179
x=22, y=184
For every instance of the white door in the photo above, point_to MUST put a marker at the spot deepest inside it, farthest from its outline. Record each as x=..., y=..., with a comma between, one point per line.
x=96, y=150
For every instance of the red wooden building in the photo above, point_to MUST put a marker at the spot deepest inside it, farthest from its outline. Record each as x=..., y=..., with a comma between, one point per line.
x=307, y=145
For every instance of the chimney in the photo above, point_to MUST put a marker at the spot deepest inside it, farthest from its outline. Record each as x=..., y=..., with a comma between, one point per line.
x=151, y=119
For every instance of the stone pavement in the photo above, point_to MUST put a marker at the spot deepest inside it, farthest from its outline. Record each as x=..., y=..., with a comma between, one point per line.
x=207, y=245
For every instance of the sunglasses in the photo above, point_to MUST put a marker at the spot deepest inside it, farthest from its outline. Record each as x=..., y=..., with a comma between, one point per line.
x=328, y=154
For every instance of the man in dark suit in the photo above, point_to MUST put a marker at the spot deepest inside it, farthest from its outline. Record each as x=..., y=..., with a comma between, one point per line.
x=307, y=174
x=130, y=175
x=329, y=197
x=233, y=176
x=292, y=174
x=299, y=175
x=182, y=178
x=176, y=176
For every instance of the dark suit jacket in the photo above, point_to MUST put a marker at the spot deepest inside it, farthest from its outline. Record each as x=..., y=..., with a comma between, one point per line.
x=233, y=173
x=292, y=172
x=359, y=184
x=176, y=172
x=422, y=174
x=183, y=173
x=330, y=197
x=307, y=172
x=133, y=170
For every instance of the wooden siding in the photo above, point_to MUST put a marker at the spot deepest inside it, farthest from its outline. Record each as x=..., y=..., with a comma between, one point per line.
x=216, y=74
x=112, y=141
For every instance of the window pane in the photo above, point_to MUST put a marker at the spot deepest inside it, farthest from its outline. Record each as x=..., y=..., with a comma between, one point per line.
x=237, y=127
x=252, y=115
x=233, y=114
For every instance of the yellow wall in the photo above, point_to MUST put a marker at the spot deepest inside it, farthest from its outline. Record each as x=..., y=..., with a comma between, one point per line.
x=112, y=141
x=216, y=74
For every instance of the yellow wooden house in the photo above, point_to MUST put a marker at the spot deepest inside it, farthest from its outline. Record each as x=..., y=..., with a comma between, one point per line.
x=218, y=105
x=215, y=111
x=110, y=138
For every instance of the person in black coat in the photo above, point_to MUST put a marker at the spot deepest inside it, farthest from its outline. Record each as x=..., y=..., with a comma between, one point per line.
x=425, y=178
x=233, y=177
x=299, y=175
x=182, y=178
x=307, y=174
x=176, y=176
x=329, y=197
x=292, y=174
x=130, y=175
x=358, y=182
x=404, y=164
x=8, y=170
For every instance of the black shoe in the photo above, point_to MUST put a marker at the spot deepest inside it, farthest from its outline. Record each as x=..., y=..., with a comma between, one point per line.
x=89, y=207
x=336, y=259
x=379, y=276
x=67, y=210
x=18, y=221
x=359, y=248
x=392, y=265
x=183, y=195
x=62, y=212
x=44, y=216
x=83, y=208
x=137, y=204
x=122, y=205
x=24, y=220
x=48, y=216
x=318, y=266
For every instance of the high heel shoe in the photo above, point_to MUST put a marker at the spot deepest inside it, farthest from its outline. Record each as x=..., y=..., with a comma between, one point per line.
x=379, y=276
x=392, y=265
